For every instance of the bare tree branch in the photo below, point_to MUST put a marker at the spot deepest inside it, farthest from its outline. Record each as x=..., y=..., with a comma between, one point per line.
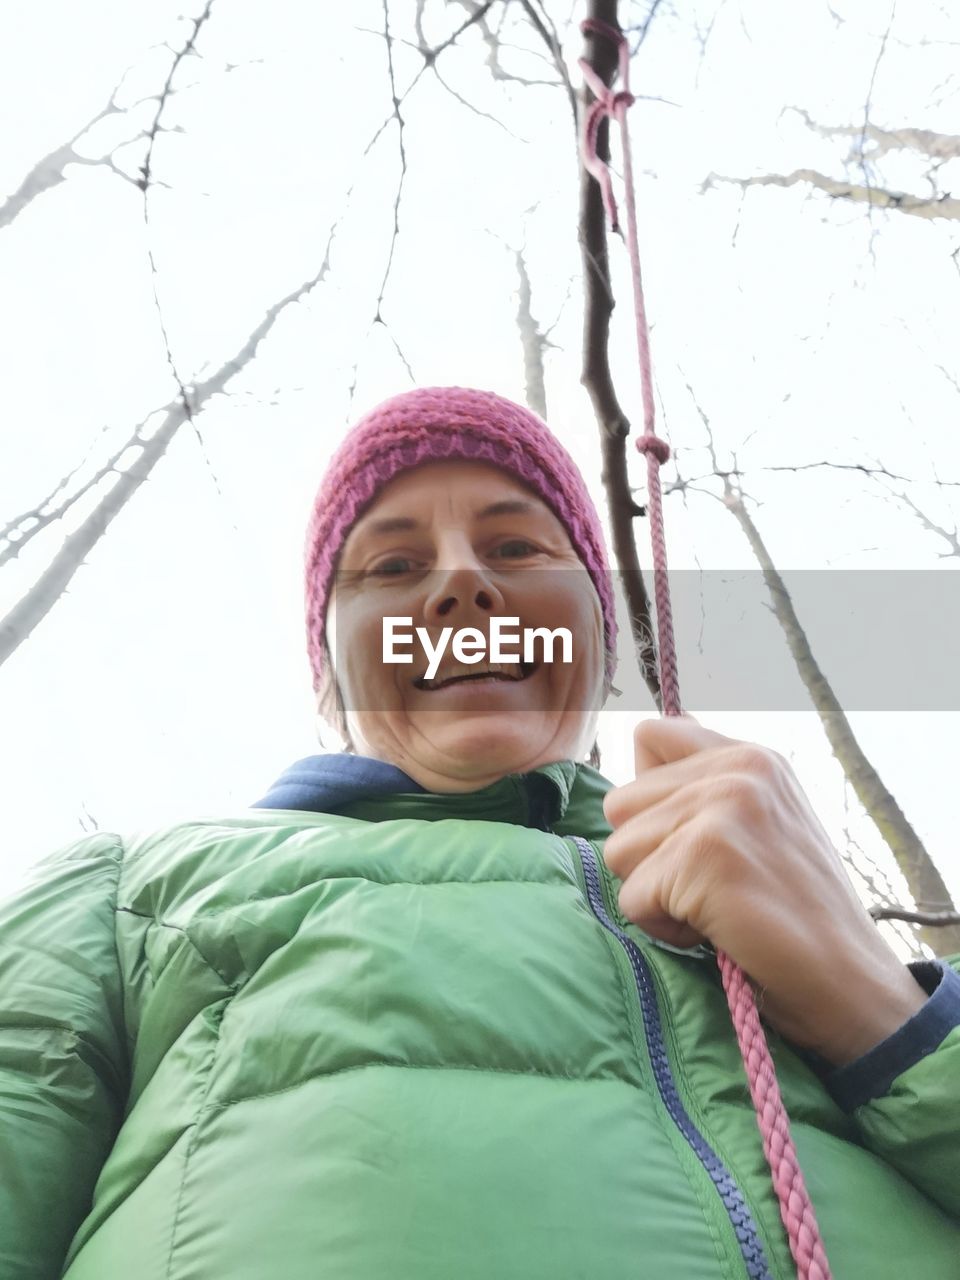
x=187, y=49
x=563, y=305
x=548, y=33
x=429, y=56
x=532, y=341
x=703, y=36
x=378, y=318
x=950, y=536
x=936, y=146
x=877, y=883
x=50, y=171
x=864, y=168
x=484, y=115
x=495, y=45
x=422, y=41
x=20, y=529
x=933, y=919
x=944, y=206
x=17, y=532
x=422, y=46
x=813, y=466
x=21, y=621
x=643, y=30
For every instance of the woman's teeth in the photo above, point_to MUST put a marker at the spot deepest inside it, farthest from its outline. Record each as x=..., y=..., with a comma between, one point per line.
x=474, y=671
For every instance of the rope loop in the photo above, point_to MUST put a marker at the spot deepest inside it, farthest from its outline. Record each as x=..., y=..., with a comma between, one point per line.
x=608, y=105
x=597, y=27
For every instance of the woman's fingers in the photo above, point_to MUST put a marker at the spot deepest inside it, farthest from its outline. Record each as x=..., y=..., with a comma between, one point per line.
x=652, y=821
x=649, y=898
x=668, y=759
x=664, y=739
x=653, y=808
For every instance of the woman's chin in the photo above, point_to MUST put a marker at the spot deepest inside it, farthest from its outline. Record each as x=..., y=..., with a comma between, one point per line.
x=470, y=745
x=486, y=743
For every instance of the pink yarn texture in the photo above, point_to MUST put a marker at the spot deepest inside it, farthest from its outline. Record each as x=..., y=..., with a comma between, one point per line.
x=426, y=425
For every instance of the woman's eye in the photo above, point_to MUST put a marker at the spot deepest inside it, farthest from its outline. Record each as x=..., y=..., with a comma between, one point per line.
x=398, y=566
x=392, y=568
x=525, y=549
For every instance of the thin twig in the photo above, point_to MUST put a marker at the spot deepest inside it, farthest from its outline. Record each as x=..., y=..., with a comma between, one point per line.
x=145, y=184
x=866, y=124
x=377, y=317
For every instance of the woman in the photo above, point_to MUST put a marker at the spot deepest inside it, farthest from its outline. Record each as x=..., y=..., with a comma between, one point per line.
x=402, y=1019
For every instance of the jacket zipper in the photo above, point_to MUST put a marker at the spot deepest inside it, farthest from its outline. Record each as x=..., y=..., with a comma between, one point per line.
x=739, y=1214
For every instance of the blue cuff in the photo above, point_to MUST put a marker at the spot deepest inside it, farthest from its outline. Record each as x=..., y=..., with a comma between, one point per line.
x=871, y=1075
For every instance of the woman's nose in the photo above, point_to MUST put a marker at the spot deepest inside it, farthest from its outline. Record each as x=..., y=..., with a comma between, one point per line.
x=462, y=589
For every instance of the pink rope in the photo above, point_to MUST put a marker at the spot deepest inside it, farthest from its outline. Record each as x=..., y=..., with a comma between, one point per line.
x=796, y=1210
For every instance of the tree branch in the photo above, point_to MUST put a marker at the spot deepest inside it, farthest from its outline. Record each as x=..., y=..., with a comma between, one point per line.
x=146, y=170
x=935, y=146
x=377, y=317
x=50, y=171
x=532, y=340
x=21, y=621
x=944, y=206
x=932, y=919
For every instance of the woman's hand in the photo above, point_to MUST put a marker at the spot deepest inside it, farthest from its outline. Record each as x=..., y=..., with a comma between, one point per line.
x=716, y=840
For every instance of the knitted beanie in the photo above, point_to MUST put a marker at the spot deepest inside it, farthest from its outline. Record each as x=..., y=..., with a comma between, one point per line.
x=427, y=425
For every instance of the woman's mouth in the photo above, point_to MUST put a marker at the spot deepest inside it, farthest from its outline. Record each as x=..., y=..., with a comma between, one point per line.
x=484, y=673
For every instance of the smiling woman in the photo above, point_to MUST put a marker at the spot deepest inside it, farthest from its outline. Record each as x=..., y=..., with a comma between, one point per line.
x=444, y=1004
x=437, y=722
x=457, y=509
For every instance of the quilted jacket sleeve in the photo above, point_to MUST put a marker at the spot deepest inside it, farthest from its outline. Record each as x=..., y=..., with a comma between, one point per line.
x=63, y=1054
x=905, y=1095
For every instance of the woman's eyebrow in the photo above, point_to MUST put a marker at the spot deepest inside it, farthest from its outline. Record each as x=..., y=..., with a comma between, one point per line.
x=402, y=524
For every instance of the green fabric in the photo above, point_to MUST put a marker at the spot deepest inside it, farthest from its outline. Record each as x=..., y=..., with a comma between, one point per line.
x=395, y=1042
x=916, y=1127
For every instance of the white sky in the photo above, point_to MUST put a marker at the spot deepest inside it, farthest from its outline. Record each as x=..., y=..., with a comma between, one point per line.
x=171, y=679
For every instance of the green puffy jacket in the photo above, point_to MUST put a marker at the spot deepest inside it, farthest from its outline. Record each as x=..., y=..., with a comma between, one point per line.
x=413, y=1040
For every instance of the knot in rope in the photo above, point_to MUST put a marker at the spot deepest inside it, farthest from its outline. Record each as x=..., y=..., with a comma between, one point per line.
x=653, y=444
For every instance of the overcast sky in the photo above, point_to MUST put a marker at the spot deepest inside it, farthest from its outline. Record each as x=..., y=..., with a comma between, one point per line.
x=171, y=681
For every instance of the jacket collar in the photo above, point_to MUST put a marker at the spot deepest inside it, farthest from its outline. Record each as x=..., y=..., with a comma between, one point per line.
x=564, y=796
x=320, y=784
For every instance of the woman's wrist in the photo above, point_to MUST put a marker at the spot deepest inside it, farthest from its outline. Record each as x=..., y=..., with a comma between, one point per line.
x=876, y=1004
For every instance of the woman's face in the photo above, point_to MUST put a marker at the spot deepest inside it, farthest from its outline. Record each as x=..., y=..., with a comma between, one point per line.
x=453, y=544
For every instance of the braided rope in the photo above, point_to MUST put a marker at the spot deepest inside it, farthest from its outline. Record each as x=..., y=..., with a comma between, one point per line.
x=796, y=1209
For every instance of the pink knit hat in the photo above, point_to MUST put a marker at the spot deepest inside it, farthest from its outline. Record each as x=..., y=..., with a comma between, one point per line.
x=426, y=425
